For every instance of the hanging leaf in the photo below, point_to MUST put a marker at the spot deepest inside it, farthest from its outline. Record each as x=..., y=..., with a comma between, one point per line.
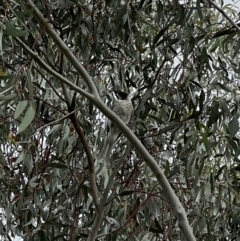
x=233, y=126
x=237, y=47
x=27, y=119
x=191, y=45
x=199, y=10
x=20, y=108
x=29, y=84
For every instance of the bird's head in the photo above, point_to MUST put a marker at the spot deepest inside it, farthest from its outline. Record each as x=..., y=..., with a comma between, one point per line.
x=122, y=95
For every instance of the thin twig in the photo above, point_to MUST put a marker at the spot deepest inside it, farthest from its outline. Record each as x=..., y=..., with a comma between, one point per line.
x=52, y=123
x=53, y=72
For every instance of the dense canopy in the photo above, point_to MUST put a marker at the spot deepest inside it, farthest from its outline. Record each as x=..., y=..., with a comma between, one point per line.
x=178, y=60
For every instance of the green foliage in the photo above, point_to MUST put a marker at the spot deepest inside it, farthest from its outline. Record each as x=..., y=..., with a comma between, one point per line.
x=181, y=59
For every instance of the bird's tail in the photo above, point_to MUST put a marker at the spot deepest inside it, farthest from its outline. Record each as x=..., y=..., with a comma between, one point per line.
x=105, y=152
x=102, y=156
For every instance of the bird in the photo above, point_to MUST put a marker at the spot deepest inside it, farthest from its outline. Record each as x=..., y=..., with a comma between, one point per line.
x=123, y=108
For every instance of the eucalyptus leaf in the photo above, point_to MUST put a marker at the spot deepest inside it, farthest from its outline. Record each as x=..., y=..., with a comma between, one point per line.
x=179, y=63
x=57, y=165
x=233, y=126
x=27, y=119
x=8, y=97
x=20, y=108
x=14, y=32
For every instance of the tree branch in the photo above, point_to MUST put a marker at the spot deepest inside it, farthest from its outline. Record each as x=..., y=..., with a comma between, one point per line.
x=224, y=14
x=90, y=161
x=95, y=99
x=53, y=72
x=64, y=48
x=84, y=93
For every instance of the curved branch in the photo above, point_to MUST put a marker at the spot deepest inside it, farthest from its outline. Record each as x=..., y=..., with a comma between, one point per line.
x=181, y=214
x=92, y=178
x=79, y=90
x=95, y=99
x=64, y=48
x=53, y=72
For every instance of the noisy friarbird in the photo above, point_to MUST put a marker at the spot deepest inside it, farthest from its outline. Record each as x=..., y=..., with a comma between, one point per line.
x=123, y=108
